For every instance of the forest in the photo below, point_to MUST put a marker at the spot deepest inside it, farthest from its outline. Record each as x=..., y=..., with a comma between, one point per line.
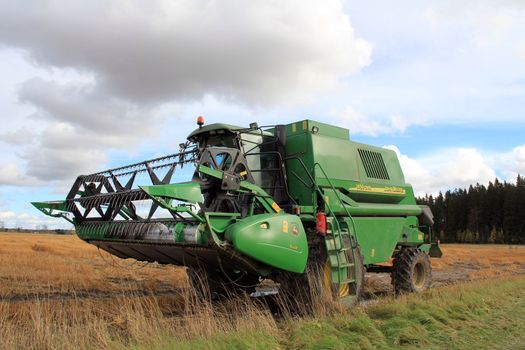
x=480, y=214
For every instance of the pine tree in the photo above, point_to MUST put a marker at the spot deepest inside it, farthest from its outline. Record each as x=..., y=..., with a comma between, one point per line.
x=479, y=214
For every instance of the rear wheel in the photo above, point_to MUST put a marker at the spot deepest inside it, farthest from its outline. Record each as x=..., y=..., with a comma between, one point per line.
x=412, y=271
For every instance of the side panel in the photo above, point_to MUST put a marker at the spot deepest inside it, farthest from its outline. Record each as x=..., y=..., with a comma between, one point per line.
x=378, y=236
x=336, y=156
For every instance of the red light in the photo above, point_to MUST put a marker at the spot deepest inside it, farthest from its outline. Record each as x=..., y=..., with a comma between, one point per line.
x=200, y=120
x=321, y=223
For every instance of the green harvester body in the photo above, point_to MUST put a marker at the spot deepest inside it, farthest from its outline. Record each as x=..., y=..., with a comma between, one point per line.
x=254, y=204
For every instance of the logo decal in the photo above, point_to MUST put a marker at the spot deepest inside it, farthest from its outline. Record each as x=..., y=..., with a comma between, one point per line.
x=285, y=226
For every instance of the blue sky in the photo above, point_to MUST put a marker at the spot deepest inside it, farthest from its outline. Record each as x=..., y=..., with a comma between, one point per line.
x=87, y=85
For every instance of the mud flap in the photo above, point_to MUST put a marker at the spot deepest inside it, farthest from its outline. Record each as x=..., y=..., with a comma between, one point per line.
x=435, y=250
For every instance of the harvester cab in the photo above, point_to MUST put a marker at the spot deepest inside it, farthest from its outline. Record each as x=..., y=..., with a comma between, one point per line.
x=285, y=202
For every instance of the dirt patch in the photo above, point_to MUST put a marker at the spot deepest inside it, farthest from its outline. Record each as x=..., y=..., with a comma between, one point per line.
x=462, y=262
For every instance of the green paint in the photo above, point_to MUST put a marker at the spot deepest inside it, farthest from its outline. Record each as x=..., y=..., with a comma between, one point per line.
x=378, y=237
x=57, y=209
x=186, y=191
x=278, y=241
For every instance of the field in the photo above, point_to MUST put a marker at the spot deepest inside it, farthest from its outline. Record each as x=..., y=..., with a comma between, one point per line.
x=59, y=292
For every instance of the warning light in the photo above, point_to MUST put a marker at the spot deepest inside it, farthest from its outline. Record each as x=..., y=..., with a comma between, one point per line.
x=321, y=223
x=200, y=121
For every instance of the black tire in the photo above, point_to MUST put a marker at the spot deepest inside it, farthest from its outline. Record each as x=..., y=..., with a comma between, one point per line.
x=299, y=288
x=412, y=271
x=213, y=285
x=357, y=288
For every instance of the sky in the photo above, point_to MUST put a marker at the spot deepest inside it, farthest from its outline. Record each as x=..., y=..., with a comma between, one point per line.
x=87, y=85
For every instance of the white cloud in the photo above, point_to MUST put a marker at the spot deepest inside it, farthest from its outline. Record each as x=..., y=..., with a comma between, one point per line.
x=519, y=153
x=511, y=163
x=11, y=219
x=7, y=215
x=447, y=169
x=12, y=175
x=359, y=123
x=464, y=63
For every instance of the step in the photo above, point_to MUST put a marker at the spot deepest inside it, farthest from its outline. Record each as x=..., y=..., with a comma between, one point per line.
x=347, y=265
x=348, y=281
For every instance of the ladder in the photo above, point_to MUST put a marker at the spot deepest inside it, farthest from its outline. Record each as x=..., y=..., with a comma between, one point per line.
x=340, y=242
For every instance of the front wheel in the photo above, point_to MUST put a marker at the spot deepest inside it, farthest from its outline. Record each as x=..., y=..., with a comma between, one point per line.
x=412, y=272
x=211, y=284
x=315, y=283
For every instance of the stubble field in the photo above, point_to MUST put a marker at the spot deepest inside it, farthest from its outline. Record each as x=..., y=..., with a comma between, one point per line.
x=60, y=292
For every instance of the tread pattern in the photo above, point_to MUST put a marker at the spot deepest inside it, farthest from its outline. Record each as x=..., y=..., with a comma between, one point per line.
x=357, y=288
x=403, y=268
x=298, y=287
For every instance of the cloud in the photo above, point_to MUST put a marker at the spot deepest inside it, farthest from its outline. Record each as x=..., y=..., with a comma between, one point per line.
x=128, y=59
x=81, y=105
x=19, y=137
x=11, y=219
x=511, y=164
x=12, y=175
x=79, y=126
x=155, y=51
x=6, y=215
x=55, y=164
x=446, y=169
x=519, y=153
x=359, y=123
x=463, y=65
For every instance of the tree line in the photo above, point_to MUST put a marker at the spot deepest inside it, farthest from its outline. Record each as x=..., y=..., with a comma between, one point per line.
x=480, y=214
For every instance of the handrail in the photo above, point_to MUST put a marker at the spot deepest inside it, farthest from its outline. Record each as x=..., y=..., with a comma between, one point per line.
x=332, y=186
x=337, y=195
x=332, y=213
x=335, y=218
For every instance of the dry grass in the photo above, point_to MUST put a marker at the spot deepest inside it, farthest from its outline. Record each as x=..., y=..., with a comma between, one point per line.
x=43, y=264
x=40, y=265
x=482, y=260
x=123, y=322
x=32, y=263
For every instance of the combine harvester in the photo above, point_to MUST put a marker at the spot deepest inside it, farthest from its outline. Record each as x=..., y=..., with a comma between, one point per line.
x=280, y=203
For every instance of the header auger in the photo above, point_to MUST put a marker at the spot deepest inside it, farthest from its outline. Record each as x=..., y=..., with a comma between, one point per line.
x=281, y=202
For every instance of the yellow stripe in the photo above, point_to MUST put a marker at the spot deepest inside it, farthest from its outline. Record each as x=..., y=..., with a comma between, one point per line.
x=385, y=190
